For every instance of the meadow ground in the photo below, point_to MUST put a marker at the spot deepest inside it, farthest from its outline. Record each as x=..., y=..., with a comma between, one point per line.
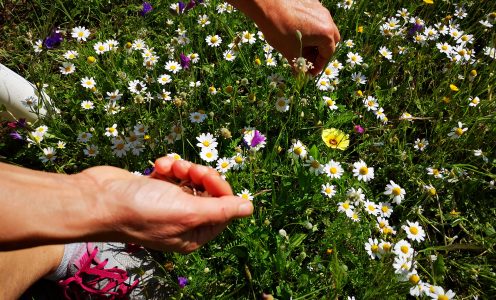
x=375, y=180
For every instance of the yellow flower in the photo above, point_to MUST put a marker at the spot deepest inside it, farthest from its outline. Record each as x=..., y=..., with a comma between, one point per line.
x=360, y=29
x=335, y=138
x=454, y=88
x=429, y=1
x=91, y=59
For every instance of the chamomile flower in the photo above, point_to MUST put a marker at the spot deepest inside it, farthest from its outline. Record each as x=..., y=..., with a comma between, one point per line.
x=173, y=66
x=434, y=172
x=371, y=103
x=195, y=57
x=84, y=137
x=328, y=190
x=440, y=294
x=354, y=59
x=315, y=166
x=282, y=104
x=112, y=44
x=223, y=165
x=381, y=222
x=421, y=144
x=371, y=208
x=119, y=147
x=247, y=37
x=138, y=45
x=457, y=131
x=212, y=90
x=61, y=145
x=356, y=196
x=345, y=206
x=270, y=60
x=333, y=169
x=203, y=20
x=362, y=171
x=359, y=78
x=385, y=209
x=91, y=150
x=402, y=264
x=175, y=156
x=414, y=231
x=349, y=43
x=38, y=46
x=206, y=140
x=403, y=249
x=395, y=192
x=49, y=154
x=80, y=33
x=372, y=248
x=330, y=103
x=209, y=154
x=67, y=68
x=473, y=101
x=245, y=194
x=197, y=117
x=386, y=53
x=113, y=96
x=238, y=162
x=70, y=55
x=213, y=40
x=298, y=150
x=229, y=55
x=111, y=131
x=88, y=83
x=87, y=105
x=324, y=84
x=101, y=48
x=385, y=247
x=164, y=79
x=353, y=215
x=137, y=87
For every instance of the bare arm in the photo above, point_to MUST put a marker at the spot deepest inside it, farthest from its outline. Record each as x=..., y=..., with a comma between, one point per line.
x=279, y=20
x=111, y=204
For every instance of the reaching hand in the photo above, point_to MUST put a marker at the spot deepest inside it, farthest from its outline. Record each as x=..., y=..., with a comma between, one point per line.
x=279, y=21
x=161, y=215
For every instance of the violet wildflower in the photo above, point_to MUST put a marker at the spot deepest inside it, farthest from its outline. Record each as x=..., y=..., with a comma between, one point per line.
x=185, y=61
x=182, y=281
x=15, y=135
x=191, y=5
x=415, y=28
x=148, y=171
x=147, y=7
x=359, y=129
x=21, y=123
x=181, y=6
x=53, y=40
x=254, y=139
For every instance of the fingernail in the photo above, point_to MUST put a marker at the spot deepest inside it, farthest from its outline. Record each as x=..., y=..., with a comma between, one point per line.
x=245, y=209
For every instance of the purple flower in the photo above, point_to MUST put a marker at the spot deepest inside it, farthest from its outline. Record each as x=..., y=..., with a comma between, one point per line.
x=258, y=138
x=183, y=281
x=181, y=6
x=185, y=60
x=148, y=171
x=415, y=28
x=190, y=5
x=147, y=7
x=53, y=40
x=359, y=129
x=15, y=135
x=21, y=123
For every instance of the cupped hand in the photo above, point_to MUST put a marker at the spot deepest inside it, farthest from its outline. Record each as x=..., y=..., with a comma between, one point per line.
x=153, y=212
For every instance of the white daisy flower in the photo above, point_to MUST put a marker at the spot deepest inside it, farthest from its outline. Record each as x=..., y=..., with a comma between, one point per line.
x=395, y=192
x=80, y=33
x=362, y=171
x=245, y=194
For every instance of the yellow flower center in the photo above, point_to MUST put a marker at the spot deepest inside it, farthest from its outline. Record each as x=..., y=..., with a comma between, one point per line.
x=244, y=196
x=111, y=129
x=442, y=297
x=404, y=249
x=328, y=190
x=382, y=224
x=386, y=247
x=385, y=209
x=432, y=191
x=374, y=248
x=327, y=71
x=346, y=205
x=315, y=164
x=206, y=143
x=213, y=39
x=298, y=150
x=435, y=172
x=333, y=170
x=330, y=102
x=414, y=279
x=363, y=171
x=458, y=131
x=444, y=47
x=89, y=83
x=238, y=159
x=414, y=230
x=354, y=58
x=396, y=191
x=209, y=155
x=371, y=207
x=224, y=165
x=101, y=48
x=68, y=68
x=80, y=34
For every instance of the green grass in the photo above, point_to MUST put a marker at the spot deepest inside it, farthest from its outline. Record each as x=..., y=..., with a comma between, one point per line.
x=327, y=261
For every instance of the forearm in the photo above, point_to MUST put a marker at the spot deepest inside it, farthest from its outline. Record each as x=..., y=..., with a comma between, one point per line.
x=45, y=208
x=257, y=10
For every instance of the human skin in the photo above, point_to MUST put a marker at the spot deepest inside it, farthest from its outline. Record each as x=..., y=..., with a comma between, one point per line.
x=279, y=21
x=110, y=204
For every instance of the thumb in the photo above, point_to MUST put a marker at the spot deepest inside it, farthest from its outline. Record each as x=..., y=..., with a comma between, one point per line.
x=219, y=210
